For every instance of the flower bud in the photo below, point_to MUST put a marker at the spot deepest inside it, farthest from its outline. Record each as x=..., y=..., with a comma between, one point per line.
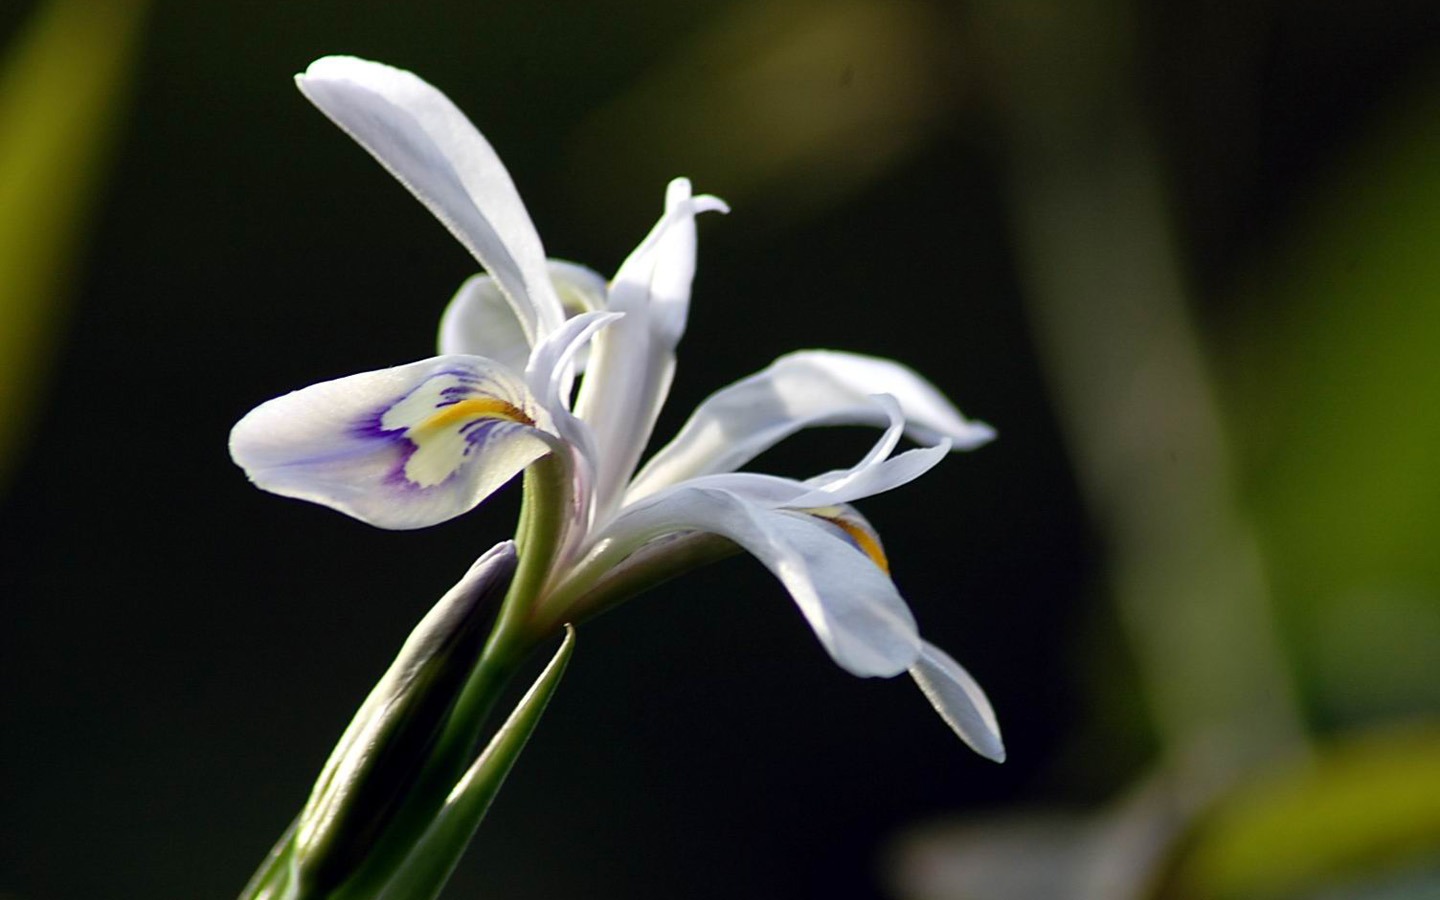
x=387, y=743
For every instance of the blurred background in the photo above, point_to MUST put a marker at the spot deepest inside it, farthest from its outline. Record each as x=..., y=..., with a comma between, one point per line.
x=1185, y=257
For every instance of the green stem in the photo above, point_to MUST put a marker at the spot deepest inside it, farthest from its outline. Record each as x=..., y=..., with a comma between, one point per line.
x=516, y=633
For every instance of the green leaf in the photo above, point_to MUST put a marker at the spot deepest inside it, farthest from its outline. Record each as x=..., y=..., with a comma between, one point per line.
x=61, y=87
x=1363, y=806
x=428, y=867
x=1332, y=394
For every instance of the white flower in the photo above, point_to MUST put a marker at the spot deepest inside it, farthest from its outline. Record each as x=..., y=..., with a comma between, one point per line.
x=418, y=444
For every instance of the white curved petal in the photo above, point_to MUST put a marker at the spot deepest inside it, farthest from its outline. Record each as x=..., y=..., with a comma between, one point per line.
x=777, y=492
x=581, y=289
x=873, y=474
x=800, y=390
x=876, y=478
x=546, y=371
x=479, y=321
x=633, y=361
x=850, y=604
x=548, y=374
x=400, y=448
x=959, y=701
x=428, y=144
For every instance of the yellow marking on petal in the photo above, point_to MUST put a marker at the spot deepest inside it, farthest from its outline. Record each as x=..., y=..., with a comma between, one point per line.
x=440, y=443
x=863, y=538
x=473, y=408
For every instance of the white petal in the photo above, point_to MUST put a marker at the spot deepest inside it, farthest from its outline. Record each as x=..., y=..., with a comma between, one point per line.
x=399, y=448
x=851, y=605
x=548, y=374
x=959, y=701
x=633, y=361
x=874, y=474
x=425, y=142
x=480, y=322
x=876, y=478
x=800, y=390
x=581, y=288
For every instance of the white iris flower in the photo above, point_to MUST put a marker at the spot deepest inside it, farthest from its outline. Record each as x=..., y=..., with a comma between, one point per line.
x=418, y=444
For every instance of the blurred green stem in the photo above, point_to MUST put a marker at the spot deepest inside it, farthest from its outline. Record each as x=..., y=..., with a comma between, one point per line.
x=1108, y=307
x=61, y=87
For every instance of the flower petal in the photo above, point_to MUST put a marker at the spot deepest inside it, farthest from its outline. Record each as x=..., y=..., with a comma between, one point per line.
x=959, y=701
x=850, y=604
x=404, y=447
x=548, y=374
x=800, y=390
x=480, y=322
x=430, y=147
x=633, y=361
x=876, y=478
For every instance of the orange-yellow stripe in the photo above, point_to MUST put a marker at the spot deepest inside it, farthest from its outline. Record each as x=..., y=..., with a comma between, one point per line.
x=474, y=408
x=865, y=540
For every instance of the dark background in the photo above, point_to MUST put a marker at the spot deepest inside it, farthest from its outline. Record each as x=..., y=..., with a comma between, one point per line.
x=178, y=650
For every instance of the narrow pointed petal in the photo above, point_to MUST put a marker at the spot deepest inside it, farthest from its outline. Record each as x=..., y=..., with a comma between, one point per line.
x=877, y=478
x=430, y=147
x=959, y=701
x=851, y=605
x=633, y=361
x=801, y=390
x=400, y=448
x=480, y=322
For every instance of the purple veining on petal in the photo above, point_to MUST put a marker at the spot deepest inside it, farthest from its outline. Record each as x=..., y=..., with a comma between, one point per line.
x=477, y=432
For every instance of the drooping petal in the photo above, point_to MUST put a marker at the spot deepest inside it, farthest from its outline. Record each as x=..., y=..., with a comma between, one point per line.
x=633, y=361
x=400, y=448
x=480, y=322
x=800, y=390
x=959, y=700
x=431, y=148
x=848, y=601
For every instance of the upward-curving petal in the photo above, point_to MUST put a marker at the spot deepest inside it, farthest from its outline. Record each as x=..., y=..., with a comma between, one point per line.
x=400, y=448
x=633, y=361
x=850, y=604
x=800, y=390
x=428, y=144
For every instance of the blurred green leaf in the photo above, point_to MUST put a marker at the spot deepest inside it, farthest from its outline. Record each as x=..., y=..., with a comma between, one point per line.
x=61, y=89
x=1334, y=388
x=1368, y=804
